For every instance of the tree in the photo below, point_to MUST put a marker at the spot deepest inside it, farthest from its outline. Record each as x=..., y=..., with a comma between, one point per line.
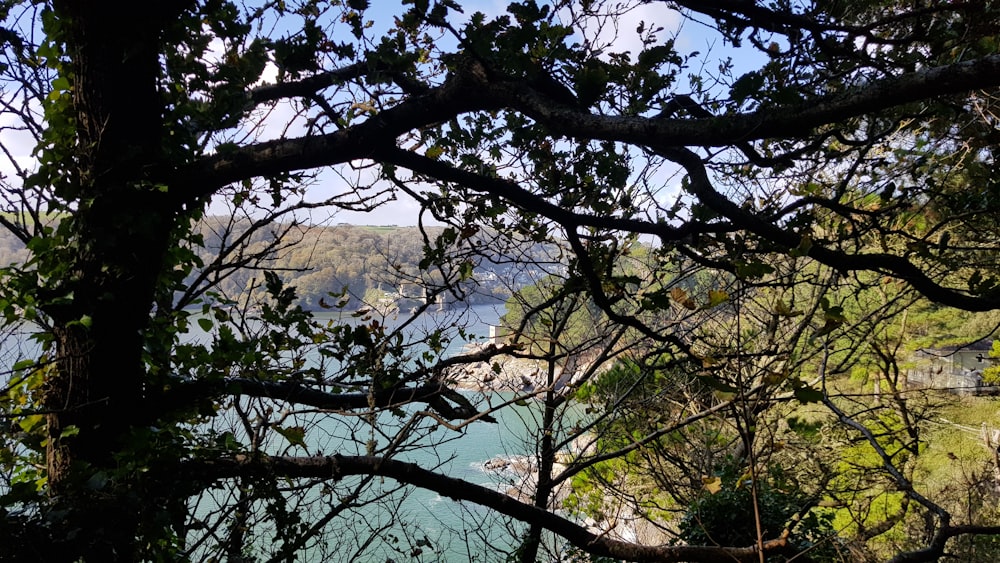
x=850, y=138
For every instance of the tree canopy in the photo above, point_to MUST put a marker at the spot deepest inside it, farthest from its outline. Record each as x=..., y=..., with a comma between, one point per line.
x=751, y=201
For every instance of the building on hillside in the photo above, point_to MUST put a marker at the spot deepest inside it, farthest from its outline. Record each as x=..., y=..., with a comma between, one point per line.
x=956, y=369
x=499, y=334
x=410, y=290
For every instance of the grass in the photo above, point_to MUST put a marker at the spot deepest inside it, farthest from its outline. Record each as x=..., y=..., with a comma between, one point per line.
x=956, y=454
x=380, y=228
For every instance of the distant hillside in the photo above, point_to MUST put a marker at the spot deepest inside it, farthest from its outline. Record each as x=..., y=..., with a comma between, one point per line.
x=323, y=260
x=317, y=260
x=12, y=250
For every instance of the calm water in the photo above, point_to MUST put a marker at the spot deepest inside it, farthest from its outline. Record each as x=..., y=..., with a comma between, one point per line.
x=456, y=531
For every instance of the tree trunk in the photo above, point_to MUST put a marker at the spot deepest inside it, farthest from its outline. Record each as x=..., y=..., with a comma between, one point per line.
x=113, y=250
x=528, y=551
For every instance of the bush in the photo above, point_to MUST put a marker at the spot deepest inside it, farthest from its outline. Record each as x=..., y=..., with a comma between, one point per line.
x=726, y=517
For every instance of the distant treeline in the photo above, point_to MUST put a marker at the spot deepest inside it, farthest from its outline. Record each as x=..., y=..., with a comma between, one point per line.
x=327, y=264
x=323, y=262
x=319, y=261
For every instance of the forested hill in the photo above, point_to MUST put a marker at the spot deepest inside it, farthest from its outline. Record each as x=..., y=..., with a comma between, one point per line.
x=321, y=260
x=316, y=260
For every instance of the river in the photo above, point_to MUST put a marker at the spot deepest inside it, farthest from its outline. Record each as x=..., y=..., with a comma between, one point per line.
x=453, y=531
x=403, y=520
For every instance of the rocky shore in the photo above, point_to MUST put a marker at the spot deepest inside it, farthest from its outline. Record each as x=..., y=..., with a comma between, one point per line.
x=518, y=474
x=617, y=518
x=507, y=373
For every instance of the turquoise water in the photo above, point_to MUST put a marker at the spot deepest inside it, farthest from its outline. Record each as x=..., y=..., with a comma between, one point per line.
x=410, y=524
x=407, y=519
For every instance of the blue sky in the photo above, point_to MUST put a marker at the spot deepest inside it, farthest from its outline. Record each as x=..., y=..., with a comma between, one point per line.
x=691, y=37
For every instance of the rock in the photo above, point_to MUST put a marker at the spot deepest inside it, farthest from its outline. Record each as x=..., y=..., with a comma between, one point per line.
x=496, y=464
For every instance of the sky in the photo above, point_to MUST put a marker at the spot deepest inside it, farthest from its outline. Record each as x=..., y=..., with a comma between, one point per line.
x=692, y=37
x=624, y=37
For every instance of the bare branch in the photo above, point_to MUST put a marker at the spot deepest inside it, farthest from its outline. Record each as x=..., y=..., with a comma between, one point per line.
x=434, y=394
x=338, y=466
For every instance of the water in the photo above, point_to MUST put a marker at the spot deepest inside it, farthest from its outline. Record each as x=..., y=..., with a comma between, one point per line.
x=406, y=519
x=410, y=523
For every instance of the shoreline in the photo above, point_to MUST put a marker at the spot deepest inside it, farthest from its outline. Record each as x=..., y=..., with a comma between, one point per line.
x=507, y=373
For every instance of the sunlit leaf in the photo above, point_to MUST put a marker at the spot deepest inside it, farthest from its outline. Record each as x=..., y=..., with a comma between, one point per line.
x=717, y=297
x=711, y=484
x=296, y=435
x=782, y=309
x=434, y=152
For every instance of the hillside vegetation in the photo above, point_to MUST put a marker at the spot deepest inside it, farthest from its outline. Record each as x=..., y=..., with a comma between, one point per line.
x=329, y=263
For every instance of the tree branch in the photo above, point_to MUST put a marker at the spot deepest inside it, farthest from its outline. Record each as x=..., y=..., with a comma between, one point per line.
x=527, y=201
x=337, y=467
x=434, y=394
x=889, y=264
x=309, y=85
x=935, y=550
x=318, y=82
x=457, y=95
x=471, y=89
x=767, y=123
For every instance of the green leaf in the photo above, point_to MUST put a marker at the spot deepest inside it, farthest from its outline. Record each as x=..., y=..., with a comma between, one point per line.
x=434, y=152
x=716, y=298
x=752, y=270
x=61, y=84
x=466, y=270
x=591, y=83
x=296, y=435
x=205, y=323
x=31, y=422
x=746, y=86
x=718, y=385
x=808, y=394
x=774, y=377
x=724, y=395
x=782, y=309
x=803, y=248
x=829, y=326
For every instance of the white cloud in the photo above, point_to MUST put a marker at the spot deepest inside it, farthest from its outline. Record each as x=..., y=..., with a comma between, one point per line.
x=616, y=34
x=17, y=142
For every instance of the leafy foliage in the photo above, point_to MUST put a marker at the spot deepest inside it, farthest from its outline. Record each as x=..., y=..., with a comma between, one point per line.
x=728, y=511
x=707, y=243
